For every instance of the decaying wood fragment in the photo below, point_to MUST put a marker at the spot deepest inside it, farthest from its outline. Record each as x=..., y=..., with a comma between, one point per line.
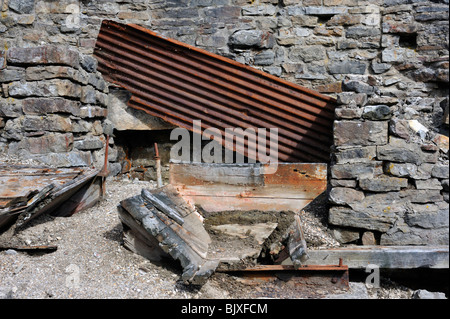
x=155, y=217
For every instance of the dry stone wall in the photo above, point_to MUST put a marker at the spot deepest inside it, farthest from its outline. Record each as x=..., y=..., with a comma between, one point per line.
x=386, y=62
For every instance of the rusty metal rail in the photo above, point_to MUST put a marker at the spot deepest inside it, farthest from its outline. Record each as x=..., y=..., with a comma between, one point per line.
x=181, y=83
x=313, y=275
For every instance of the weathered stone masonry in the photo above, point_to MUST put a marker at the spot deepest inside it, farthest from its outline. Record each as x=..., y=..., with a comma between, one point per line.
x=386, y=61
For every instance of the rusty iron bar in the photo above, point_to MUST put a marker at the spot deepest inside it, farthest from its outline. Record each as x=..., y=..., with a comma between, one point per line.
x=181, y=83
x=334, y=275
x=158, y=167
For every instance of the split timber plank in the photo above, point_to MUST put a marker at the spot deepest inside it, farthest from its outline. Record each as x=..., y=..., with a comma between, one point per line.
x=229, y=187
x=391, y=257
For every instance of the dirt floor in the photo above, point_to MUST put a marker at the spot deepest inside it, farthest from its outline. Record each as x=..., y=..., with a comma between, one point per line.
x=91, y=262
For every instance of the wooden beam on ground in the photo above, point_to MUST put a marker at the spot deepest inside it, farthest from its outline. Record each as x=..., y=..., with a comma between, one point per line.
x=391, y=257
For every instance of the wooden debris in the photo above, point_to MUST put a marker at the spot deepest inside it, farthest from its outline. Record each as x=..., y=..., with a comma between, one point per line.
x=152, y=219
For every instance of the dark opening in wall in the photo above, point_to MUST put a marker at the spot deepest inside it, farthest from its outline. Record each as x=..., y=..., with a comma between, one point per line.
x=136, y=152
x=408, y=40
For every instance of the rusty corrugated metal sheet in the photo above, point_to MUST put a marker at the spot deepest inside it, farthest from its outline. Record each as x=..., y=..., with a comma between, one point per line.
x=180, y=83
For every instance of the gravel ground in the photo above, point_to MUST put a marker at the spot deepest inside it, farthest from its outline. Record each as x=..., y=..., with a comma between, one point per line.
x=91, y=263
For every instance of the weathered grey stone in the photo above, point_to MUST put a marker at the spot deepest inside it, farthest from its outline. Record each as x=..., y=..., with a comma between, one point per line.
x=22, y=6
x=356, y=155
x=377, y=112
x=251, y=38
x=351, y=183
x=266, y=57
x=378, y=221
x=97, y=81
x=325, y=11
x=88, y=95
x=347, y=67
x=425, y=294
x=347, y=113
x=440, y=171
x=383, y=184
x=360, y=99
x=357, y=32
x=89, y=63
x=380, y=67
x=90, y=143
x=428, y=217
x=308, y=53
x=400, y=169
x=69, y=159
x=10, y=108
x=357, y=86
x=357, y=170
x=421, y=195
x=38, y=73
x=355, y=133
x=428, y=184
x=41, y=106
x=52, y=123
x=48, y=88
x=344, y=196
x=345, y=236
x=400, y=152
x=415, y=236
x=11, y=74
x=48, y=143
x=44, y=55
x=90, y=111
x=261, y=10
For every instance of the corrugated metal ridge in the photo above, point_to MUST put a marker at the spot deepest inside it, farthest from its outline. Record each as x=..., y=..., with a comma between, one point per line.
x=181, y=83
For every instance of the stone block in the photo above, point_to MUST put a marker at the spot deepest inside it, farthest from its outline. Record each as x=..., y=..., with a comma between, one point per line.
x=88, y=95
x=48, y=88
x=421, y=195
x=416, y=236
x=70, y=159
x=400, y=169
x=355, y=133
x=251, y=39
x=22, y=6
x=383, y=184
x=360, y=99
x=378, y=221
x=351, y=183
x=356, y=155
x=48, y=143
x=266, y=57
x=348, y=113
x=89, y=63
x=52, y=123
x=377, y=112
x=345, y=236
x=357, y=32
x=400, y=153
x=428, y=184
x=357, y=86
x=347, y=67
x=10, y=107
x=261, y=10
x=379, y=68
x=357, y=170
x=41, y=106
x=90, y=143
x=344, y=196
x=368, y=239
x=308, y=53
x=11, y=74
x=427, y=216
x=44, y=55
x=440, y=171
x=325, y=11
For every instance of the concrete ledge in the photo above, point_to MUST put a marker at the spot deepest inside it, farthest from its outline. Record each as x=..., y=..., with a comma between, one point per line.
x=394, y=257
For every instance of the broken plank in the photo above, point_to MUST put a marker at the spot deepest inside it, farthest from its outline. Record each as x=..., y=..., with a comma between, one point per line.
x=212, y=204
x=401, y=257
